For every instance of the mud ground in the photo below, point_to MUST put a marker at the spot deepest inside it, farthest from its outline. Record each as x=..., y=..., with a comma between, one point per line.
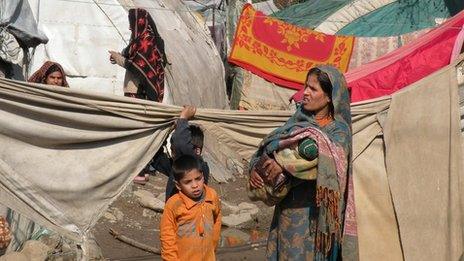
x=130, y=219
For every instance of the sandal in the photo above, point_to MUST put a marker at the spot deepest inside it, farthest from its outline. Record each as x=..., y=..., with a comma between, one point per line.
x=142, y=180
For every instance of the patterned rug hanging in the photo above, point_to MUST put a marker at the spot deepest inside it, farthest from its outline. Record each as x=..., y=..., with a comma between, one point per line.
x=283, y=53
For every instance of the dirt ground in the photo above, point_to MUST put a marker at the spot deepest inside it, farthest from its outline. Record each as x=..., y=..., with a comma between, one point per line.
x=130, y=219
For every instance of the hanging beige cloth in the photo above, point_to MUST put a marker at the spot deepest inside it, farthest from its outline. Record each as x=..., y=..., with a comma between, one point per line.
x=67, y=154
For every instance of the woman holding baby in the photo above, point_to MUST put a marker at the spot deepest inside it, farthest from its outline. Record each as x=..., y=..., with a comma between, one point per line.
x=304, y=169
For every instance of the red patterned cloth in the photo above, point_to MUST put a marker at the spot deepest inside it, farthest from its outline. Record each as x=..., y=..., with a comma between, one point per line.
x=283, y=53
x=145, y=55
x=408, y=64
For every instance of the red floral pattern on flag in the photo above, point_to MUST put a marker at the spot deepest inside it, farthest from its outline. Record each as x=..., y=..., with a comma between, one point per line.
x=283, y=53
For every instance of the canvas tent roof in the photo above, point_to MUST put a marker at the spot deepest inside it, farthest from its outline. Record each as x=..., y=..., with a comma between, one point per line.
x=410, y=63
x=309, y=13
x=406, y=195
x=423, y=55
x=17, y=16
x=398, y=204
x=80, y=43
x=407, y=64
x=370, y=17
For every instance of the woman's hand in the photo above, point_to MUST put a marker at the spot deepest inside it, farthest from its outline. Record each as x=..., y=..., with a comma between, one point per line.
x=255, y=180
x=116, y=58
x=272, y=169
x=112, y=60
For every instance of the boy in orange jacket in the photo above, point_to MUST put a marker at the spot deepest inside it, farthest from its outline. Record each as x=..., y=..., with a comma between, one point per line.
x=191, y=223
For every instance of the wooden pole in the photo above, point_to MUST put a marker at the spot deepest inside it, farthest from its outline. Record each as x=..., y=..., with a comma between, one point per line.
x=156, y=251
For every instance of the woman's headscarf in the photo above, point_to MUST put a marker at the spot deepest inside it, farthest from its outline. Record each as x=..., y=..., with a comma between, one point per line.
x=40, y=76
x=145, y=53
x=339, y=130
x=334, y=168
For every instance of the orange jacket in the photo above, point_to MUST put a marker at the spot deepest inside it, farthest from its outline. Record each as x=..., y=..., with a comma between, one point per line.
x=190, y=230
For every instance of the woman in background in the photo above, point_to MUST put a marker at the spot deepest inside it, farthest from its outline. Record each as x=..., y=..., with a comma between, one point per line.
x=143, y=58
x=50, y=73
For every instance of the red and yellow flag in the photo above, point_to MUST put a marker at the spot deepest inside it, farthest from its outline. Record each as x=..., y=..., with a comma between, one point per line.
x=283, y=53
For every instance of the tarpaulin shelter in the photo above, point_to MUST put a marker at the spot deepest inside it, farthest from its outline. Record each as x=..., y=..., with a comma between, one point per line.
x=380, y=27
x=17, y=16
x=194, y=74
x=370, y=17
x=410, y=63
x=407, y=64
x=18, y=33
x=407, y=159
x=283, y=55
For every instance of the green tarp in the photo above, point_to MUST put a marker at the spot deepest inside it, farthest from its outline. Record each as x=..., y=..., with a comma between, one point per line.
x=398, y=17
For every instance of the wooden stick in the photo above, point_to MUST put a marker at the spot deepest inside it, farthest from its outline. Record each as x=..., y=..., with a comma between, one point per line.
x=134, y=243
x=243, y=247
x=156, y=251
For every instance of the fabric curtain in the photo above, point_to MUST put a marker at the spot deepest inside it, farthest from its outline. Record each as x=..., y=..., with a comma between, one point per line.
x=67, y=154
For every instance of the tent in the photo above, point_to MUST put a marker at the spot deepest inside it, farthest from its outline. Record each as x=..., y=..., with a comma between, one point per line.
x=410, y=63
x=256, y=93
x=407, y=64
x=282, y=53
x=16, y=15
x=370, y=18
x=195, y=73
x=407, y=167
x=18, y=33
